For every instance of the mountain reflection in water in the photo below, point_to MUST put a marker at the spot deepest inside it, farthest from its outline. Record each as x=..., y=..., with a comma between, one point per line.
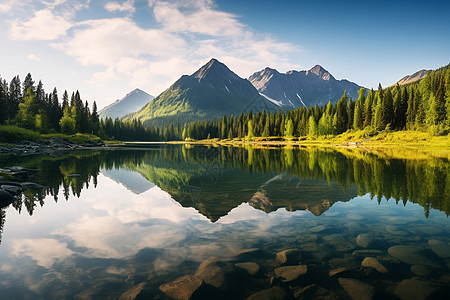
x=176, y=205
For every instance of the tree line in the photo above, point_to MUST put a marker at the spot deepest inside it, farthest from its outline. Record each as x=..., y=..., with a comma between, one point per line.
x=28, y=106
x=423, y=105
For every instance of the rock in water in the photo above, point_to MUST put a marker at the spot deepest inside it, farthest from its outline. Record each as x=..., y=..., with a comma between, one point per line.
x=251, y=267
x=6, y=197
x=411, y=255
x=141, y=291
x=357, y=289
x=274, y=293
x=364, y=240
x=420, y=270
x=183, y=288
x=290, y=256
x=290, y=273
x=371, y=262
x=440, y=248
x=412, y=289
x=12, y=189
x=219, y=274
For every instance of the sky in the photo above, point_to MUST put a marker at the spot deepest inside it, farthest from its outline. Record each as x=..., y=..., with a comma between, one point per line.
x=105, y=49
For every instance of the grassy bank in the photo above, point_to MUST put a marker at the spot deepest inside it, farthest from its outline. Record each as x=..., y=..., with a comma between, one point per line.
x=10, y=135
x=347, y=139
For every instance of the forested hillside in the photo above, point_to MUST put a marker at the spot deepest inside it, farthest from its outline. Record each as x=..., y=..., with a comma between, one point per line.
x=423, y=105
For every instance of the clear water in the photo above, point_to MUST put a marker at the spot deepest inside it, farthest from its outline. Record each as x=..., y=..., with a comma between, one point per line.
x=153, y=215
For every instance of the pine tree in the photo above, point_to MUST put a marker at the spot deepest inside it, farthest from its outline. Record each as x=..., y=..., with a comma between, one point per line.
x=312, y=126
x=289, y=129
x=368, y=106
x=341, y=114
x=28, y=83
x=250, y=130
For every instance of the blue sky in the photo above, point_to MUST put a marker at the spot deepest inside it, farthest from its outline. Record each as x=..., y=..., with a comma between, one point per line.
x=107, y=48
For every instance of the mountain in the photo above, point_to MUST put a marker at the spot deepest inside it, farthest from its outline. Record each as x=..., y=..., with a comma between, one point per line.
x=412, y=78
x=132, y=102
x=132, y=181
x=302, y=88
x=211, y=92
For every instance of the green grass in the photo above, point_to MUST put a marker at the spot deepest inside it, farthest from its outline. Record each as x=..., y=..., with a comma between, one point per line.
x=10, y=135
x=78, y=138
x=13, y=134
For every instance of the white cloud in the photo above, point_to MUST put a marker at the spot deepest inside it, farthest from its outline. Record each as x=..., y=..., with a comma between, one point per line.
x=197, y=17
x=107, y=41
x=186, y=35
x=44, y=251
x=127, y=6
x=33, y=57
x=6, y=6
x=44, y=25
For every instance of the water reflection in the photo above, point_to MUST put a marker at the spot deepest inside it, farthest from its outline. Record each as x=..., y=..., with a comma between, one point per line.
x=226, y=202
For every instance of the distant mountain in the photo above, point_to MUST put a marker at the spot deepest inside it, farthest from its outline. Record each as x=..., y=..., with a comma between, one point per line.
x=302, y=88
x=211, y=92
x=131, y=180
x=132, y=102
x=412, y=78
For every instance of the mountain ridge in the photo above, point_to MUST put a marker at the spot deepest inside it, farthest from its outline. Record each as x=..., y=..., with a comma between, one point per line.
x=130, y=103
x=210, y=92
x=294, y=89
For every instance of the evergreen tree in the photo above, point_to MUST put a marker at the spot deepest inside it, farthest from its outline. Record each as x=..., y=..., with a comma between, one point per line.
x=250, y=130
x=312, y=126
x=341, y=114
x=289, y=129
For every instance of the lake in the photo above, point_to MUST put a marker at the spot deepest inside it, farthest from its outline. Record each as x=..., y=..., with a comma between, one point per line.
x=228, y=223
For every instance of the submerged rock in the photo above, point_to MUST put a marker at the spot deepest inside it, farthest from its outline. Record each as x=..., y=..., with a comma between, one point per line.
x=219, y=274
x=319, y=228
x=251, y=267
x=314, y=292
x=413, y=289
x=290, y=256
x=440, y=248
x=274, y=293
x=141, y=291
x=420, y=270
x=183, y=288
x=357, y=289
x=290, y=273
x=338, y=271
x=364, y=240
x=412, y=255
x=371, y=262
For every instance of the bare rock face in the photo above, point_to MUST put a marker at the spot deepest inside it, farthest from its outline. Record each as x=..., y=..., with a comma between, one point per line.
x=290, y=256
x=371, y=262
x=290, y=273
x=274, y=293
x=357, y=289
x=219, y=274
x=183, y=288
